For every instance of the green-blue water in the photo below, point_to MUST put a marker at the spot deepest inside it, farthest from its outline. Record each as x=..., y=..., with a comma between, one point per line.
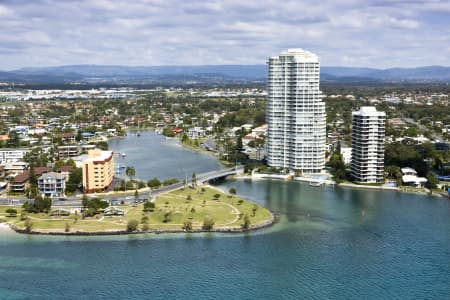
x=329, y=244
x=152, y=155
x=323, y=247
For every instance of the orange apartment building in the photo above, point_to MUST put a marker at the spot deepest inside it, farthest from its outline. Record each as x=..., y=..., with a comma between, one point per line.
x=98, y=170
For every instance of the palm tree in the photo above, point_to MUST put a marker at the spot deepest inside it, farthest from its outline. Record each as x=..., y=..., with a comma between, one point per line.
x=131, y=172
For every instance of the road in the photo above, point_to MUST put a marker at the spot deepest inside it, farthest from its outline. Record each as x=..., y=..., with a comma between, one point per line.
x=423, y=128
x=210, y=145
x=76, y=202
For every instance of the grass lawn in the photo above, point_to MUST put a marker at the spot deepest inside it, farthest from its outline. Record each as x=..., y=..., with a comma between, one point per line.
x=227, y=212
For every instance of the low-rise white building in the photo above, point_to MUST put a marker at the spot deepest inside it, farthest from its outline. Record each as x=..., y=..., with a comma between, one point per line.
x=346, y=153
x=410, y=178
x=68, y=151
x=16, y=167
x=11, y=155
x=196, y=132
x=52, y=184
x=111, y=131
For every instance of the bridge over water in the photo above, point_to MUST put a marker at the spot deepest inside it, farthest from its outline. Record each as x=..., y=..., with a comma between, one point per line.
x=200, y=178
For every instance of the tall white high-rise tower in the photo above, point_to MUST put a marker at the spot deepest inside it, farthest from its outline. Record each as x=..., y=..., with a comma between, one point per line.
x=368, y=145
x=295, y=112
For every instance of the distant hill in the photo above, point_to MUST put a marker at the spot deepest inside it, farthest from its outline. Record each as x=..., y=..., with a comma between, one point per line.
x=208, y=74
x=430, y=73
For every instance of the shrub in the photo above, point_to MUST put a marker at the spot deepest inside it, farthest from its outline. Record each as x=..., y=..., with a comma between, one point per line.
x=23, y=216
x=28, y=225
x=141, y=185
x=170, y=181
x=246, y=224
x=144, y=220
x=132, y=225
x=149, y=206
x=12, y=212
x=232, y=191
x=216, y=196
x=39, y=205
x=208, y=223
x=67, y=227
x=90, y=212
x=254, y=209
x=187, y=225
x=93, y=205
x=167, y=216
x=154, y=183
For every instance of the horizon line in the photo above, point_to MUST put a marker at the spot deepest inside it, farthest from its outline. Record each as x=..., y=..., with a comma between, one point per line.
x=197, y=65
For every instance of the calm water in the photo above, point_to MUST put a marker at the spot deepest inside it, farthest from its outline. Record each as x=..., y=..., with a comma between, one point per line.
x=153, y=155
x=329, y=244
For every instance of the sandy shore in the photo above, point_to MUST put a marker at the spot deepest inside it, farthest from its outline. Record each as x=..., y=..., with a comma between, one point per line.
x=5, y=227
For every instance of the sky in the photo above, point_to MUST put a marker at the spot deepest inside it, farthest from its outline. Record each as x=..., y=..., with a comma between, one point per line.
x=359, y=33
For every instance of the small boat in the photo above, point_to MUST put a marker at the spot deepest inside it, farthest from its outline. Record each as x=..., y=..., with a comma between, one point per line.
x=124, y=154
x=312, y=183
x=138, y=134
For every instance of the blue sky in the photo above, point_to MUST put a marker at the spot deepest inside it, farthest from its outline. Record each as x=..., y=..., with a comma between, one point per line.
x=371, y=33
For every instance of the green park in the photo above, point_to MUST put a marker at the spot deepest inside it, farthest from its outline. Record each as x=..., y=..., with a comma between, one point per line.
x=187, y=209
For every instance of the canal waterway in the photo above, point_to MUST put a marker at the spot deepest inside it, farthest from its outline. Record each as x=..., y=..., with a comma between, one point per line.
x=154, y=155
x=329, y=243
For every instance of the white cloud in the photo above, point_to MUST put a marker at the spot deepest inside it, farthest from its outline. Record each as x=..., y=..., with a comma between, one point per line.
x=156, y=32
x=5, y=11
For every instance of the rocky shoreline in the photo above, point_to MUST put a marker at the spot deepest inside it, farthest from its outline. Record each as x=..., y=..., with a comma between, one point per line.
x=273, y=219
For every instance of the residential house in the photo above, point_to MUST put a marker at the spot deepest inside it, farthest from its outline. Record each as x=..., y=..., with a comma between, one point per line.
x=52, y=184
x=68, y=151
x=16, y=167
x=21, y=182
x=196, y=132
x=66, y=137
x=261, y=130
x=410, y=178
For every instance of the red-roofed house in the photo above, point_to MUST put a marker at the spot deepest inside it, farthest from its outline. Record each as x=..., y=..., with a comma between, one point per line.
x=177, y=130
x=20, y=183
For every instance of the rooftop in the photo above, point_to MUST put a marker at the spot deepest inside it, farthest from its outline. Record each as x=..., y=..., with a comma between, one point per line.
x=98, y=155
x=52, y=175
x=368, y=111
x=299, y=55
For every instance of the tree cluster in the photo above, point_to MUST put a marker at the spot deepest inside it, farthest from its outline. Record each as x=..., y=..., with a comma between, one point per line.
x=39, y=205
